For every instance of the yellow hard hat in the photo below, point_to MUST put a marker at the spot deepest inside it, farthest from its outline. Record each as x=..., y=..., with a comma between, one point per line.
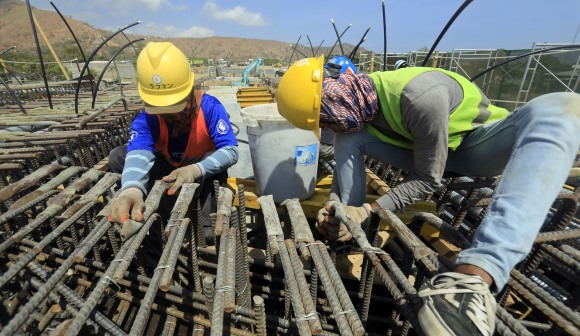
x=299, y=93
x=165, y=78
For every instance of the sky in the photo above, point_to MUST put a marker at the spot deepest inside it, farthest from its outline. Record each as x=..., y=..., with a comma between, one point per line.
x=410, y=24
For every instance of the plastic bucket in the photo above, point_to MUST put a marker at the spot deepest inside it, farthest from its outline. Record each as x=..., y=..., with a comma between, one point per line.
x=284, y=158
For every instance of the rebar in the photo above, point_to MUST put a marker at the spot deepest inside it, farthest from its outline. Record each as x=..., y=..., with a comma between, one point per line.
x=77, y=301
x=260, y=312
x=309, y=307
x=229, y=288
x=14, y=269
x=146, y=304
x=25, y=311
x=169, y=267
x=338, y=311
x=217, y=314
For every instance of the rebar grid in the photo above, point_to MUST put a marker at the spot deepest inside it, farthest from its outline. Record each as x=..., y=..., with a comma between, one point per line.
x=145, y=281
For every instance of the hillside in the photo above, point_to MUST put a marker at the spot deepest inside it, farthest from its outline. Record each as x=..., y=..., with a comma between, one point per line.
x=16, y=30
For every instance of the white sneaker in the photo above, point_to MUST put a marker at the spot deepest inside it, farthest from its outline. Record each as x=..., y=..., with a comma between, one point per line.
x=457, y=304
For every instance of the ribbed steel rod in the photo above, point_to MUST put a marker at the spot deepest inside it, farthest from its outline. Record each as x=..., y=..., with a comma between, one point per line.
x=341, y=293
x=242, y=266
x=330, y=291
x=260, y=312
x=421, y=252
x=76, y=300
x=309, y=307
x=544, y=308
x=217, y=315
x=399, y=298
x=146, y=304
x=33, y=179
x=51, y=184
x=10, y=214
x=28, y=257
x=208, y=292
x=224, y=206
x=553, y=236
x=551, y=300
x=25, y=311
x=243, y=239
x=130, y=248
x=302, y=320
x=511, y=322
x=183, y=316
x=119, y=263
x=100, y=188
x=169, y=267
x=229, y=289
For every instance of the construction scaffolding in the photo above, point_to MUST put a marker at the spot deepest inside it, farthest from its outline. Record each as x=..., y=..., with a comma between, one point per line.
x=507, y=86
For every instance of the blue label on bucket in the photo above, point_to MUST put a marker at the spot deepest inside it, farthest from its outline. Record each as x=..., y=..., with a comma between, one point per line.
x=306, y=155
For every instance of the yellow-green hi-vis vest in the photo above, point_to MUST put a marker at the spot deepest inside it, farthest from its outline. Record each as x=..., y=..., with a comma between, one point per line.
x=468, y=115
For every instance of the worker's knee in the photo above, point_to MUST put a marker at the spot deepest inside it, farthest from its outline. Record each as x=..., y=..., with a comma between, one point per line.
x=117, y=159
x=563, y=105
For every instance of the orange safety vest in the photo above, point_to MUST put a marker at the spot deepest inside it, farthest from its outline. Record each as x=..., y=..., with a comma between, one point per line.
x=199, y=142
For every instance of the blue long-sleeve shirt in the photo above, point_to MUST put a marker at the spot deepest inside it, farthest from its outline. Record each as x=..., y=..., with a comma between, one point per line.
x=145, y=132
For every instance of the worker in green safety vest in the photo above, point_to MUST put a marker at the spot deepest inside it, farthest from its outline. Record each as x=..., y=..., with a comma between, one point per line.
x=429, y=122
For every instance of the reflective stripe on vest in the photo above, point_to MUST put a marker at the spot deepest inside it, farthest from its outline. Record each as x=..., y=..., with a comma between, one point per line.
x=199, y=141
x=473, y=111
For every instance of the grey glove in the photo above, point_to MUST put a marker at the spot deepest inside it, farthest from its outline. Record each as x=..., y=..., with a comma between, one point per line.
x=179, y=176
x=129, y=201
x=333, y=229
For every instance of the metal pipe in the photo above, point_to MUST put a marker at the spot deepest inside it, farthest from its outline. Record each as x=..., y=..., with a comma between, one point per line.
x=14, y=96
x=96, y=88
x=449, y=23
x=384, y=36
x=293, y=50
x=42, y=70
x=337, y=36
x=73, y=35
x=86, y=66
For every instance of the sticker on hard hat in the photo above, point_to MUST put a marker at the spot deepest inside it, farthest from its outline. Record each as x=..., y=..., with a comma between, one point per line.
x=306, y=155
x=156, y=79
x=302, y=62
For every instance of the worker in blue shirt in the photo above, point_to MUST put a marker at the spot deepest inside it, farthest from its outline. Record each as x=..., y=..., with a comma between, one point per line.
x=182, y=136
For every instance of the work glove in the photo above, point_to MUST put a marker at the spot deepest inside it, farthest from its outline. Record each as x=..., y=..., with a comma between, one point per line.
x=332, y=228
x=179, y=176
x=129, y=201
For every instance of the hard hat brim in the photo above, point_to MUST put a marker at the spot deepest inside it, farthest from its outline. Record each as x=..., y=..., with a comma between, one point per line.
x=176, y=108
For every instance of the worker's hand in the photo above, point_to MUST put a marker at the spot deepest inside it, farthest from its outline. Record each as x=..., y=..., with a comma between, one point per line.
x=332, y=228
x=179, y=176
x=129, y=201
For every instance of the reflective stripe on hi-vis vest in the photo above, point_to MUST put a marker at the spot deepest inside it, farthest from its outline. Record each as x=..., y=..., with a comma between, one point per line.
x=472, y=112
x=199, y=141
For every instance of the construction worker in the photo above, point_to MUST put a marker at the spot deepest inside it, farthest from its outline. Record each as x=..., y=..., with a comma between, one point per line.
x=429, y=121
x=182, y=136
